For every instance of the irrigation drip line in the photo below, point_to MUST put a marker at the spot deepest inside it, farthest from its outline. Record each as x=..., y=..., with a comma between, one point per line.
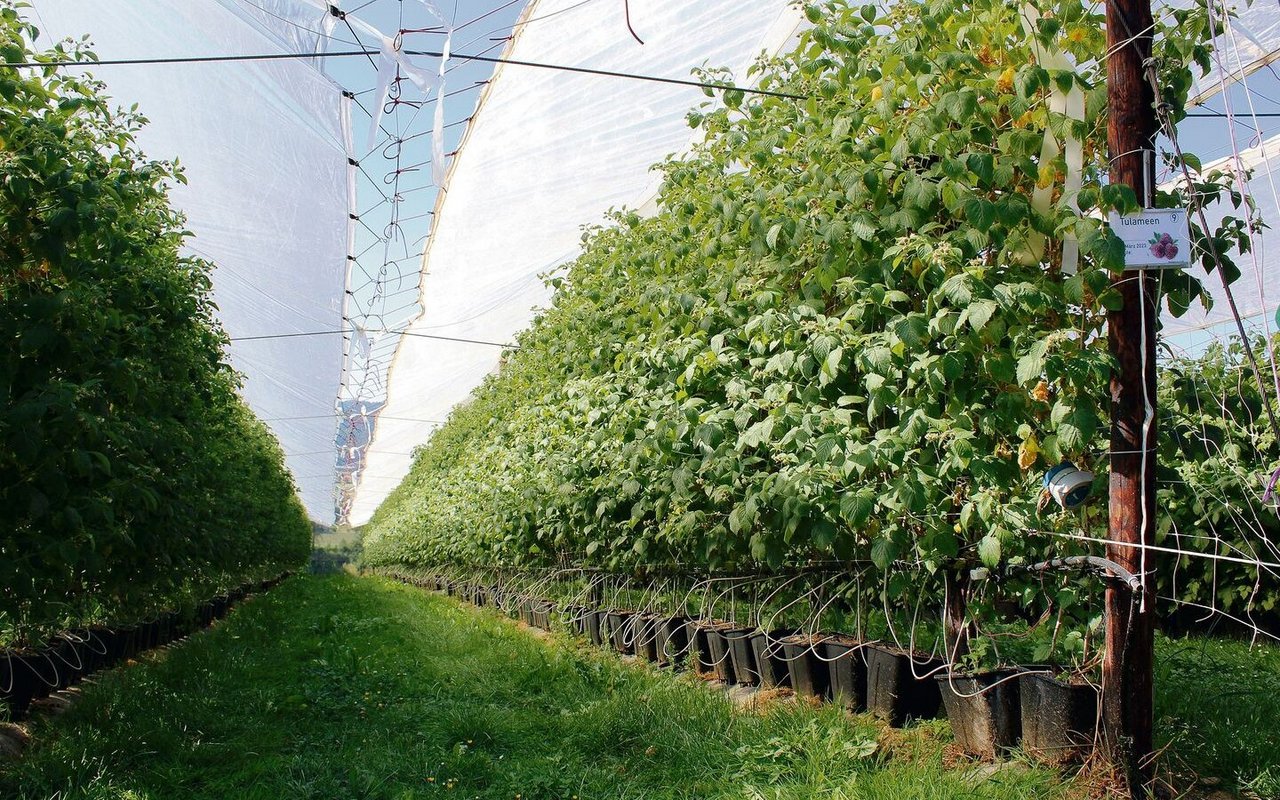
x=1104, y=567
x=117, y=62
x=505, y=345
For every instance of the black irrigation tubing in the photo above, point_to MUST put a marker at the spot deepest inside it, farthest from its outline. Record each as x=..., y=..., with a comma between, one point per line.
x=430, y=53
x=1101, y=566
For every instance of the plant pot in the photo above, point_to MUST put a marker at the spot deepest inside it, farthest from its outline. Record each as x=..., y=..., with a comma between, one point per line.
x=542, y=614
x=619, y=631
x=718, y=649
x=809, y=674
x=221, y=606
x=65, y=655
x=575, y=619
x=1059, y=720
x=894, y=692
x=596, y=626
x=700, y=644
x=984, y=710
x=770, y=663
x=741, y=656
x=646, y=636
x=672, y=645
x=20, y=682
x=848, y=670
x=97, y=648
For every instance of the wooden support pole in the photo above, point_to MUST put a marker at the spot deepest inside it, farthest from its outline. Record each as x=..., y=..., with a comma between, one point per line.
x=1127, y=713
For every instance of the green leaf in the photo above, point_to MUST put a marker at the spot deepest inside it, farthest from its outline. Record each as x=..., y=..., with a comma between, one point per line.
x=884, y=552
x=989, y=550
x=771, y=238
x=1031, y=365
x=980, y=313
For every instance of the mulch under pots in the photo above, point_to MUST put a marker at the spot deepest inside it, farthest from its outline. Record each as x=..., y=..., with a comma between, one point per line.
x=1059, y=719
x=809, y=674
x=848, y=671
x=900, y=686
x=984, y=710
x=766, y=646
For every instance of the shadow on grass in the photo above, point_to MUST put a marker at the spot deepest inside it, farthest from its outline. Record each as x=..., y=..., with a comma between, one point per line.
x=338, y=687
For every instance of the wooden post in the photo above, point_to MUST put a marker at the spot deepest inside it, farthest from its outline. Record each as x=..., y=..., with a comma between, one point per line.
x=1127, y=671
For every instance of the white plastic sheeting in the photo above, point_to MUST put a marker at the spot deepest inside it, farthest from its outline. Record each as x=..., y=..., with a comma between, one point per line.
x=1249, y=44
x=264, y=147
x=547, y=153
x=1258, y=287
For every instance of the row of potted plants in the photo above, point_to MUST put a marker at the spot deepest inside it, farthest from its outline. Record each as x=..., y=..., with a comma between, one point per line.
x=990, y=712
x=27, y=675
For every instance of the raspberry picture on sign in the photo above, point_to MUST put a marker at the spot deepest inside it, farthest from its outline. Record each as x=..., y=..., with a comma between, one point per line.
x=1163, y=246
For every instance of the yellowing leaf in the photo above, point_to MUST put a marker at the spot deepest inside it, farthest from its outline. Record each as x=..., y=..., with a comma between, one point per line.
x=1028, y=451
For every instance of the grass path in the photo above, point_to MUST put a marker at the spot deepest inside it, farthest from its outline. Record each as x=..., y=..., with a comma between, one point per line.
x=341, y=687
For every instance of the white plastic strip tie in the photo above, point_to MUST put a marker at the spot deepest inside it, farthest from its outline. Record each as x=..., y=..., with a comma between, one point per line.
x=438, y=170
x=1070, y=104
x=390, y=58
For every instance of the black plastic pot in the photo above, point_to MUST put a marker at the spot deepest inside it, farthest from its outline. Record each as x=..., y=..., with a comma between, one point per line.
x=984, y=710
x=620, y=631
x=575, y=619
x=809, y=674
x=770, y=662
x=1059, y=720
x=596, y=626
x=700, y=645
x=33, y=675
x=542, y=614
x=17, y=684
x=894, y=692
x=65, y=655
x=848, y=670
x=718, y=649
x=741, y=656
x=672, y=646
x=646, y=636
x=96, y=648
x=221, y=605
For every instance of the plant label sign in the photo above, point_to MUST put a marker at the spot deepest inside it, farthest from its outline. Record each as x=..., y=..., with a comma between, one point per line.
x=1154, y=238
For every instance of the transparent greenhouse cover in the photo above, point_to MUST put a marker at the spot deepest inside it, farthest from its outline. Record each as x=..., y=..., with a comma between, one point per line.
x=547, y=153
x=264, y=147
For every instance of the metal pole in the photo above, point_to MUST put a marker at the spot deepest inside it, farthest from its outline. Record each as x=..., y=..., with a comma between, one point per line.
x=1127, y=712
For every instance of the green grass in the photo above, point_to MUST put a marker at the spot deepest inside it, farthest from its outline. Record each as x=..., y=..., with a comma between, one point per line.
x=1218, y=709
x=341, y=687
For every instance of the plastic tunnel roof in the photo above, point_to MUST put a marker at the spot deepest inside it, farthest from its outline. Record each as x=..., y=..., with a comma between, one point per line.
x=547, y=153
x=263, y=144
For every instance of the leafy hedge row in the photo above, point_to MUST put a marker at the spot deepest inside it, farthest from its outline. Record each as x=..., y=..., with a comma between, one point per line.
x=134, y=476
x=845, y=334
